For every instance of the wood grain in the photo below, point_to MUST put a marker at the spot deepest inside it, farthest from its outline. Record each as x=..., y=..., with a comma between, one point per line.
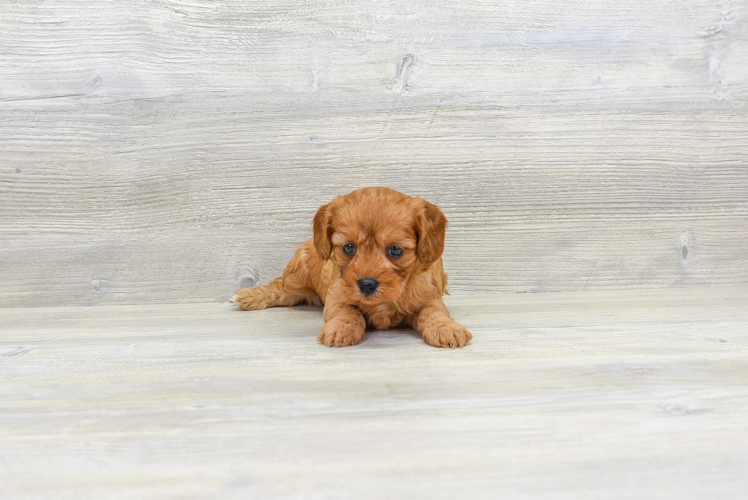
x=172, y=151
x=584, y=395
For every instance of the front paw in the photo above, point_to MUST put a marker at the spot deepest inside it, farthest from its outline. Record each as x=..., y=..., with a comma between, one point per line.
x=447, y=334
x=250, y=299
x=341, y=333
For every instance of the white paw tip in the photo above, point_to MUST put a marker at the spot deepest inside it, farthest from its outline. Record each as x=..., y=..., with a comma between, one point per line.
x=233, y=299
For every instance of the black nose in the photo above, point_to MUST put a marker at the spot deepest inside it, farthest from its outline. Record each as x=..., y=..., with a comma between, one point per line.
x=368, y=285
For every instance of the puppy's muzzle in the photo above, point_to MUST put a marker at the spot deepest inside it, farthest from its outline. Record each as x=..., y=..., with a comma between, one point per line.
x=368, y=286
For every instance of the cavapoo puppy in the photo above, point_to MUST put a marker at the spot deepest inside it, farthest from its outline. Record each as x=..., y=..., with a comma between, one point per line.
x=375, y=259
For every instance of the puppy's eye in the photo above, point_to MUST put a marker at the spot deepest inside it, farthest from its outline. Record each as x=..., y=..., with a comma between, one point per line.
x=395, y=252
x=349, y=249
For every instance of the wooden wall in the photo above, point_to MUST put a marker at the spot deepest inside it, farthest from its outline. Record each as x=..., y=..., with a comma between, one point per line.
x=173, y=150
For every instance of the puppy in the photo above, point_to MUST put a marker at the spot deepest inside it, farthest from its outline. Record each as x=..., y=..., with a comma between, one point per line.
x=374, y=259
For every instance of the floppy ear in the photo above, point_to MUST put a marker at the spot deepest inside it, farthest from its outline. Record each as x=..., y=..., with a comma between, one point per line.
x=431, y=228
x=323, y=232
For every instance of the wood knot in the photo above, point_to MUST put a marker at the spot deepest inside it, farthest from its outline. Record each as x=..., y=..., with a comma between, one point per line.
x=402, y=73
x=684, y=248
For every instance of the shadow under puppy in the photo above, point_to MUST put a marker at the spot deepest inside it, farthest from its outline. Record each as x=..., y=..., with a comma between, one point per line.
x=375, y=259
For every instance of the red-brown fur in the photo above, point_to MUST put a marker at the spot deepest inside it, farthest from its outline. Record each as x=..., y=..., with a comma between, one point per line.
x=410, y=287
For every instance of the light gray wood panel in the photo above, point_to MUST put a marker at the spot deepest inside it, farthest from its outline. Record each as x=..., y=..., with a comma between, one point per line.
x=617, y=394
x=178, y=150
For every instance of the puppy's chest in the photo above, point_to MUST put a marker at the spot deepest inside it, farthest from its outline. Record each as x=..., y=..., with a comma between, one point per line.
x=383, y=316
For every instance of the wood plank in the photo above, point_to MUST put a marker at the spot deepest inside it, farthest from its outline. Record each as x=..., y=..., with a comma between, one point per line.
x=625, y=394
x=173, y=151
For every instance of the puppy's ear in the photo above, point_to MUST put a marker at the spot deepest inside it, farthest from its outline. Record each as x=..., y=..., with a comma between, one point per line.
x=323, y=232
x=431, y=228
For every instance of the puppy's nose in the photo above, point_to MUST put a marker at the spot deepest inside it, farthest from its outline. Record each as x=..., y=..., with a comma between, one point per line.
x=368, y=285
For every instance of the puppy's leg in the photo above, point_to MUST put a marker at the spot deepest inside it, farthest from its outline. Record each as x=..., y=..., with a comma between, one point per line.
x=344, y=324
x=437, y=328
x=261, y=297
x=294, y=287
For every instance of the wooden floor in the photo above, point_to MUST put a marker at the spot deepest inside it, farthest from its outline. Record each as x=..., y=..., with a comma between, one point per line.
x=635, y=394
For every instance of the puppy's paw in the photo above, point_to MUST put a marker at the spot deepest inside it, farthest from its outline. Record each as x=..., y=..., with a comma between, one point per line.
x=447, y=334
x=340, y=333
x=251, y=299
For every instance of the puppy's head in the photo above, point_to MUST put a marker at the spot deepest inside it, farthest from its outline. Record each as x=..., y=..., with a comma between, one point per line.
x=378, y=237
